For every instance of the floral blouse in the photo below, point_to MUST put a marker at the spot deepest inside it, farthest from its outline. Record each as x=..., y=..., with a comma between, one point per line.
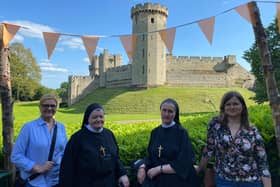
x=239, y=158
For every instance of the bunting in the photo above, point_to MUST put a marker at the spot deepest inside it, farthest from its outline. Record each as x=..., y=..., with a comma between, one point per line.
x=278, y=16
x=9, y=31
x=168, y=37
x=247, y=12
x=90, y=43
x=129, y=42
x=50, y=41
x=207, y=27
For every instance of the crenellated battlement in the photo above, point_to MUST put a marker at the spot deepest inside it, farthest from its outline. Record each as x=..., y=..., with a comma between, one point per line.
x=121, y=68
x=230, y=59
x=149, y=8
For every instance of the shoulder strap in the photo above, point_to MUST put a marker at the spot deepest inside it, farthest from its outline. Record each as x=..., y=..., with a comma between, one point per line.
x=53, y=143
x=33, y=176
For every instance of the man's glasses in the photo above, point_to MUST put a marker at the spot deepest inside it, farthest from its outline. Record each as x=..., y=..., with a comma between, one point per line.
x=48, y=105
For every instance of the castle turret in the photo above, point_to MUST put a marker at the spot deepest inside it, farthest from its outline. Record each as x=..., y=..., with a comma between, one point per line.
x=149, y=59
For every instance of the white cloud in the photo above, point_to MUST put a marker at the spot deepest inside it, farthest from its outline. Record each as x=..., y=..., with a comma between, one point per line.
x=73, y=43
x=35, y=30
x=86, y=60
x=18, y=38
x=30, y=29
x=60, y=49
x=46, y=66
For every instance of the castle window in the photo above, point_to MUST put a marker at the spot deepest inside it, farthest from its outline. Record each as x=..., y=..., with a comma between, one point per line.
x=152, y=20
x=143, y=69
x=143, y=52
x=143, y=37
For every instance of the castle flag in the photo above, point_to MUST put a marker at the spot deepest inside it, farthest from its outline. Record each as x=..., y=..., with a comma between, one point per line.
x=50, y=41
x=247, y=12
x=129, y=42
x=90, y=43
x=9, y=31
x=207, y=27
x=168, y=37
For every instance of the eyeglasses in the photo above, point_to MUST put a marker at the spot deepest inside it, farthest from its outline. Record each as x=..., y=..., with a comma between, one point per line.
x=48, y=105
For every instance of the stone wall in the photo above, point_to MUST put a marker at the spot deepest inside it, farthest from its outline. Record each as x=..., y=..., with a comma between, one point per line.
x=77, y=87
x=119, y=76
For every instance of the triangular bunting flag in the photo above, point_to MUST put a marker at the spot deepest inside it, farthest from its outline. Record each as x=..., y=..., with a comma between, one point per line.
x=129, y=42
x=168, y=37
x=9, y=31
x=278, y=16
x=247, y=12
x=90, y=43
x=207, y=27
x=50, y=41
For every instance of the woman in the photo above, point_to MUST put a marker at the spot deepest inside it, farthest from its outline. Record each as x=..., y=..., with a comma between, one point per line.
x=170, y=155
x=91, y=156
x=32, y=148
x=240, y=157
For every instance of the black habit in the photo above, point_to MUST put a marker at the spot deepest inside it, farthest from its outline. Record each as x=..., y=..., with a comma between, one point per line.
x=91, y=159
x=171, y=146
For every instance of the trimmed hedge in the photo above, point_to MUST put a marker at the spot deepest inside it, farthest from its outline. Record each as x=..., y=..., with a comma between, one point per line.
x=133, y=138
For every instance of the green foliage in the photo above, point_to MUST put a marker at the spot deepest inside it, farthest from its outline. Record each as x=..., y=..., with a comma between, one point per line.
x=63, y=91
x=133, y=134
x=252, y=56
x=25, y=73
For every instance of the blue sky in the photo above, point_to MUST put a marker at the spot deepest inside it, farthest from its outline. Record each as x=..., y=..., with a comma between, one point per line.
x=232, y=34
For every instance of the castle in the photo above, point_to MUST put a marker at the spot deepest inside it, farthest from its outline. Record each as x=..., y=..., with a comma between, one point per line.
x=152, y=67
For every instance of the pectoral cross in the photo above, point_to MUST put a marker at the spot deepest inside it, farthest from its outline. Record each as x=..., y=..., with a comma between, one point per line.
x=160, y=148
x=102, y=150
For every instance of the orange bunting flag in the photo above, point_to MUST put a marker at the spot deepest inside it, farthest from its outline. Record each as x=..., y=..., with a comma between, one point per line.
x=90, y=43
x=129, y=42
x=9, y=31
x=50, y=41
x=278, y=16
x=247, y=12
x=168, y=37
x=207, y=27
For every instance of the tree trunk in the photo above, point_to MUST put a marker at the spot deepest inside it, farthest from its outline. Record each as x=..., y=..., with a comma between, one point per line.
x=7, y=105
x=271, y=86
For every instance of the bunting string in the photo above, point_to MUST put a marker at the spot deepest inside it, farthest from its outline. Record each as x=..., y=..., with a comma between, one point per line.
x=167, y=34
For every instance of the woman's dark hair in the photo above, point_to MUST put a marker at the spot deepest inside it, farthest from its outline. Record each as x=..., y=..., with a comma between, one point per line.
x=88, y=111
x=173, y=102
x=244, y=121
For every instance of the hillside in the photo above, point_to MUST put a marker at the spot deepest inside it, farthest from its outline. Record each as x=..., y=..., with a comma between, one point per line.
x=147, y=101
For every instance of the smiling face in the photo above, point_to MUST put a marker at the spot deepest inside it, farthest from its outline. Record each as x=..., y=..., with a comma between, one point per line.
x=233, y=107
x=48, y=109
x=96, y=119
x=168, y=112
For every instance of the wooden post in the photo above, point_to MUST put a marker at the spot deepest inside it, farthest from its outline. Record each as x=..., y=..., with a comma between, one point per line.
x=268, y=70
x=7, y=105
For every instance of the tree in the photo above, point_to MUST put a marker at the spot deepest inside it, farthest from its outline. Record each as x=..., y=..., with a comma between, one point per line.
x=63, y=91
x=252, y=56
x=25, y=73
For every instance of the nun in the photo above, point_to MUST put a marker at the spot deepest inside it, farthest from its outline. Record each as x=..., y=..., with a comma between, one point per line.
x=91, y=157
x=170, y=155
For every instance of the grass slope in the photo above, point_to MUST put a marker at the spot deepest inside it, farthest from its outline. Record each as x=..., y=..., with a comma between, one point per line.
x=147, y=101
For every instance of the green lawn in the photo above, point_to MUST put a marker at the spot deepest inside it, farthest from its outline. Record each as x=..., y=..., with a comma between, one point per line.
x=124, y=106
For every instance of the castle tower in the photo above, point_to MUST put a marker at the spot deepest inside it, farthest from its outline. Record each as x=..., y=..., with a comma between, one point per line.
x=149, y=59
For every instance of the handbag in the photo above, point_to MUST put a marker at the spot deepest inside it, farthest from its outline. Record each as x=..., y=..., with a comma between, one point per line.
x=209, y=178
x=19, y=182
